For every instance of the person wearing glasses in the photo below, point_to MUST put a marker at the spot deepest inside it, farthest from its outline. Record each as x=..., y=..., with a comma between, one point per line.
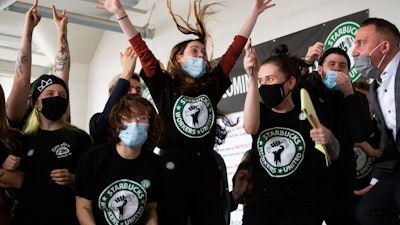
x=120, y=180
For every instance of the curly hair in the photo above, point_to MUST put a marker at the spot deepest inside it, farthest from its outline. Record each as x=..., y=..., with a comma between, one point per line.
x=124, y=107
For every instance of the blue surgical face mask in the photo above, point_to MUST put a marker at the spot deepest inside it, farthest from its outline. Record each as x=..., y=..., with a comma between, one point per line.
x=195, y=67
x=329, y=80
x=134, y=135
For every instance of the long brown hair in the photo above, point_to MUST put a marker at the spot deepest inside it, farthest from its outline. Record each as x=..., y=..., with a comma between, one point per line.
x=7, y=134
x=201, y=12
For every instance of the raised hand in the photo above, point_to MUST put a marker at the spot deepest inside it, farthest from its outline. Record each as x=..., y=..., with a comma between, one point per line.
x=261, y=5
x=61, y=21
x=113, y=6
x=32, y=16
x=250, y=60
x=314, y=52
x=128, y=62
x=344, y=83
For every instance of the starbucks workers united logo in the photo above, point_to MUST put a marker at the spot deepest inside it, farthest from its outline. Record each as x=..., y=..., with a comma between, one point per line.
x=364, y=163
x=123, y=202
x=281, y=151
x=342, y=37
x=193, y=116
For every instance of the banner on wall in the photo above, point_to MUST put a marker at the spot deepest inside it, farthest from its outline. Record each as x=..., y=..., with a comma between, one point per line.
x=336, y=33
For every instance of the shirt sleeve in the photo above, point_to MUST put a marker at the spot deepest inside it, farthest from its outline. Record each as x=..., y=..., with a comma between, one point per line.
x=102, y=121
x=231, y=55
x=146, y=57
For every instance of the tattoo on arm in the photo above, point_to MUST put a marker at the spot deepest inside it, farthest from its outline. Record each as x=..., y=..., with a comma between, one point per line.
x=64, y=40
x=61, y=63
x=63, y=58
x=29, y=36
x=22, y=58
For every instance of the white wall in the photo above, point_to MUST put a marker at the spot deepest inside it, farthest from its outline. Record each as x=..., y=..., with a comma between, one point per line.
x=78, y=83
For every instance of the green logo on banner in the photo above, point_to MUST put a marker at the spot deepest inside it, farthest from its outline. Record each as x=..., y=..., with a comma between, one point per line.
x=342, y=37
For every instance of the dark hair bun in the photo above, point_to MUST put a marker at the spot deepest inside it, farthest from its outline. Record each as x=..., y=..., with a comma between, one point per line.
x=281, y=49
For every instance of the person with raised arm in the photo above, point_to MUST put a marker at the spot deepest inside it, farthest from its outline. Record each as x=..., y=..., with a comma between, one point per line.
x=186, y=95
x=18, y=107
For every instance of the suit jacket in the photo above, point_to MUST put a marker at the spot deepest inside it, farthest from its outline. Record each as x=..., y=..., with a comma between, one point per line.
x=389, y=161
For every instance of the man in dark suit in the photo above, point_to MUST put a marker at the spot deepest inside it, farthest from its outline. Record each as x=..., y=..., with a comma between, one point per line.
x=377, y=56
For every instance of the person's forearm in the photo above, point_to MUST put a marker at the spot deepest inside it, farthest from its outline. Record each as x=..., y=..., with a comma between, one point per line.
x=11, y=179
x=333, y=147
x=84, y=211
x=126, y=24
x=19, y=94
x=85, y=217
x=249, y=24
x=251, y=113
x=62, y=62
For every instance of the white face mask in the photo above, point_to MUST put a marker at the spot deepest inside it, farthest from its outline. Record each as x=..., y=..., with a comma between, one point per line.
x=364, y=65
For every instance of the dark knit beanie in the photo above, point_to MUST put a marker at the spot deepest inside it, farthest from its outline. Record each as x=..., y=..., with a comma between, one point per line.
x=336, y=51
x=42, y=83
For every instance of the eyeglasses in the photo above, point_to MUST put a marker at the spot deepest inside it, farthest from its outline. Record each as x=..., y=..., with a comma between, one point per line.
x=137, y=119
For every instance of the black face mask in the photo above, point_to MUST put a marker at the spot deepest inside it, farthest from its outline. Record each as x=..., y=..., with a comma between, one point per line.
x=272, y=95
x=53, y=108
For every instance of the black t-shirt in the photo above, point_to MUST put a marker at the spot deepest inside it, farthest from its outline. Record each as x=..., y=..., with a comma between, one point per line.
x=365, y=163
x=284, y=154
x=118, y=188
x=189, y=120
x=41, y=200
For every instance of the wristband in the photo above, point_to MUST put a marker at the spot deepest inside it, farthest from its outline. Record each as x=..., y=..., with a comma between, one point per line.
x=123, y=17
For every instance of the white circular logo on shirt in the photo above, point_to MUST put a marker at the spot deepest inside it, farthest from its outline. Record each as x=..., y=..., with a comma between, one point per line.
x=123, y=202
x=364, y=163
x=281, y=151
x=193, y=117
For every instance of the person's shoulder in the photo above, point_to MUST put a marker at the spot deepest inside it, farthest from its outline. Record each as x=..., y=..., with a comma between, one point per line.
x=16, y=133
x=78, y=133
x=92, y=122
x=94, y=117
x=76, y=130
x=100, y=151
x=151, y=155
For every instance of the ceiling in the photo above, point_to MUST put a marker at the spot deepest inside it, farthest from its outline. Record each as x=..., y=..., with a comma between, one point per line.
x=86, y=25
